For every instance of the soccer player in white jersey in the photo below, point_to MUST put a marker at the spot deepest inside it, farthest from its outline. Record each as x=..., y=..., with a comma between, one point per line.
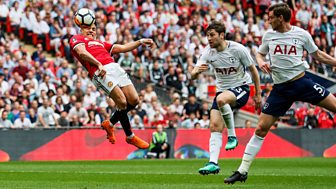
x=285, y=45
x=229, y=60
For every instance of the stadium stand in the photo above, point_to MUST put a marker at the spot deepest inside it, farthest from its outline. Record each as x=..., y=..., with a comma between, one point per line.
x=27, y=79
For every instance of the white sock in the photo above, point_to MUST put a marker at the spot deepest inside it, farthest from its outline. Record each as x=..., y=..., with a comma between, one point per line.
x=229, y=119
x=215, y=144
x=131, y=136
x=251, y=151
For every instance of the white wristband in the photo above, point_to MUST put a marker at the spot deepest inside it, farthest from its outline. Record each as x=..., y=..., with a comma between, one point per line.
x=142, y=41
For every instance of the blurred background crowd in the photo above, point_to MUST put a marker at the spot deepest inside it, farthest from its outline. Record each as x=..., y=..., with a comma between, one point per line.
x=42, y=85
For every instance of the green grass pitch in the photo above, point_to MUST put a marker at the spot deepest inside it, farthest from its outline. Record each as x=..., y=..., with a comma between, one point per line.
x=175, y=174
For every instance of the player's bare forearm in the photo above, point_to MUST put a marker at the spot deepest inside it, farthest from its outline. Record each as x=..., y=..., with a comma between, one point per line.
x=118, y=48
x=198, y=69
x=194, y=73
x=260, y=58
x=256, y=79
x=85, y=55
x=324, y=57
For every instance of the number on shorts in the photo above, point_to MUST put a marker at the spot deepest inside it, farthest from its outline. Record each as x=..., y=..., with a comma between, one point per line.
x=319, y=89
x=238, y=90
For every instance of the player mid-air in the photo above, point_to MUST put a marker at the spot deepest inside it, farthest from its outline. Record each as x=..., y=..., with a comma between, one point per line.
x=106, y=74
x=285, y=45
x=229, y=61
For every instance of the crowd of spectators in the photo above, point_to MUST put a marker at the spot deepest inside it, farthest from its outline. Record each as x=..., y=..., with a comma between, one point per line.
x=45, y=92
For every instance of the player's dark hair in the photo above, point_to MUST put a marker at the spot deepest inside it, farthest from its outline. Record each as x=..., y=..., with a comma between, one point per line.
x=219, y=27
x=281, y=9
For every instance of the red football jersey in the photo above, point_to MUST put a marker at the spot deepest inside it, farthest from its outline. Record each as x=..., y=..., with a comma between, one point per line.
x=100, y=50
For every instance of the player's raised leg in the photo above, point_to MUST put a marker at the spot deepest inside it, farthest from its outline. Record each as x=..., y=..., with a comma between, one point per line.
x=252, y=148
x=224, y=100
x=215, y=143
x=132, y=101
x=119, y=98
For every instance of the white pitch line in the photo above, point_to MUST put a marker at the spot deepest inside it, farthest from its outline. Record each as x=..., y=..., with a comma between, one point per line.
x=146, y=173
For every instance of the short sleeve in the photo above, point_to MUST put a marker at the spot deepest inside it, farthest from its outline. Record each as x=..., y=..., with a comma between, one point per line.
x=309, y=45
x=263, y=48
x=76, y=40
x=108, y=46
x=203, y=57
x=245, y=57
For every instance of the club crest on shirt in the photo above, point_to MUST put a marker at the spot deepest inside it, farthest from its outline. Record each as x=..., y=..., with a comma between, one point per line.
x=297, y=41
x=233, y=59
x=74, y=40
x=110, y=84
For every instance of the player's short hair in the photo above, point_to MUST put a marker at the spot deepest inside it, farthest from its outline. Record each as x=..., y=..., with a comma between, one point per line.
x=281, y=9
x=219, y=27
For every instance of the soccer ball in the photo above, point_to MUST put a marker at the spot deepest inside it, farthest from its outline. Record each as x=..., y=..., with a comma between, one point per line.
x=84, y=17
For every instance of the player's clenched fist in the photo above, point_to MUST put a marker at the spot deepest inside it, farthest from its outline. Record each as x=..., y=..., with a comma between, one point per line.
x=147, y=42
x=202, y=68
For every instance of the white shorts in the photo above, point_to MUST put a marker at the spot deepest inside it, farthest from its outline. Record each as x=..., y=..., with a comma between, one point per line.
x=115, y=76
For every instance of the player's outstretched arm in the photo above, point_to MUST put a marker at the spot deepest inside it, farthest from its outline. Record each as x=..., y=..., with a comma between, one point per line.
x=324, y=57
x=264, y=67
x=86, y=56
x=256, y=81
x=118, y=48
x=197, y=70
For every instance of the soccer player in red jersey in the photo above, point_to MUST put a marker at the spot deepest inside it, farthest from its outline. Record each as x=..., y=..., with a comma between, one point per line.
x=106, y=74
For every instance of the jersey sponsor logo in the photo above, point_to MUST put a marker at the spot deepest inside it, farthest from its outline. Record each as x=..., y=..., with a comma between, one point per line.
x=285, y=49
x=92, y=43
x=226, y=71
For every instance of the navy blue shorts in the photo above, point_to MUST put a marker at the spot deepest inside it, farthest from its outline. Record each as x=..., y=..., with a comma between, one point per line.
x=283, y=95
x=242, y=94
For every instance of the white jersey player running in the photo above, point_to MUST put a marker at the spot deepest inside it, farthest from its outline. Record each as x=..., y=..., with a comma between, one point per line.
x=229, y=60
x=285, y=45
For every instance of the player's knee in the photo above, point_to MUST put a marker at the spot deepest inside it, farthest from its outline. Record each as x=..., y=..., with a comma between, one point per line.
x=134, y=102
x=122, y=105
x=221, y=102
x=261, y=130
x=215, y=127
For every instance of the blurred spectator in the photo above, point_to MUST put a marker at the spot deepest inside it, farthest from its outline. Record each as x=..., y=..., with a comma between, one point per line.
x=94, y=118
x=156, y=74
x=78, y=115
x=22, y=69
x=205, y=121
x=15, y=15
x=32, y=116
x=46, y=115
x=4, y=121
x=248, y=124
x=137, y=123
x=41, y=29
x=149, y=93
x=22, y=121
x=190, y=122
x=191, y=107
x=310, y=120
x=327, y=30
x=325, y=120
x=63, y=119
x=64, y=70
x=176, y=106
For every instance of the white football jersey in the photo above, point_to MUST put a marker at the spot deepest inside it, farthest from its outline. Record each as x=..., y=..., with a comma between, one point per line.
x=286, y=51
x=229, y=65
